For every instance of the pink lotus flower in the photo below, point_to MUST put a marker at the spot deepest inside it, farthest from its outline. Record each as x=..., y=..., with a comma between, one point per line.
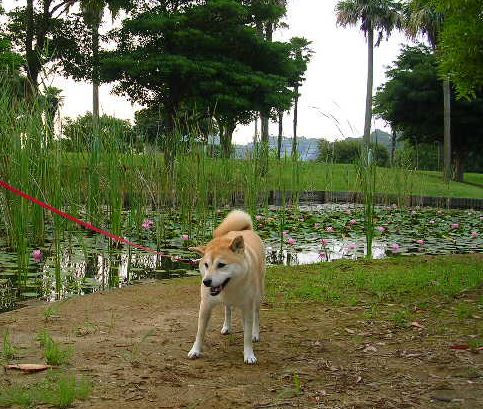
x=395, y=248
x=185, y=237
x=148, y=224
x=285, y=234
x=352, y=222
x=330, y=229
x=37, y=255
x=420, y=242
x=474, y=235
x=380, y=229
x=323, y=256
x=291, y=241
x=455, y=226
x=351, y=246
x=324, y=242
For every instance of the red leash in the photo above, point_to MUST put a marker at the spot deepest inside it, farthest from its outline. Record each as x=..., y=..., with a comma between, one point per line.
x=90, y=226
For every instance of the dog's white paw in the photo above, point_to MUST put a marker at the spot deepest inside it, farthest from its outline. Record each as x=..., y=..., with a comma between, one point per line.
x=225, y=330
x=194, y=353
x=250, y=359
x=256, y=338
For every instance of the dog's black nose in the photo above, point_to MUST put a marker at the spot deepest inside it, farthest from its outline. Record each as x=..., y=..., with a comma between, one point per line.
x=207, y=282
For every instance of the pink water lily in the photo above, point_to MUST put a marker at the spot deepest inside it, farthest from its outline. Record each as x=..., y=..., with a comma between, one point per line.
x=381, y=229
x=474, y=235
x=291, y=241
x=323, y=256
x=330, y=229
x=352, y=222
x=324, y=242
x=455, y=226
x=351, y=246
x=37, y=255
x=185, y=237
x=395, y=248
x=420, y=242
x=148, y=224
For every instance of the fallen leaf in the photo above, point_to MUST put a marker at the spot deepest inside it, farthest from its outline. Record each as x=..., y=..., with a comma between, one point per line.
x=28, y=368
x=417, y=325
x=460, y=347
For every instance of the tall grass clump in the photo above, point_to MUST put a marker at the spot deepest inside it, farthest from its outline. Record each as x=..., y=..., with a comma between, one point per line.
x=366, y=172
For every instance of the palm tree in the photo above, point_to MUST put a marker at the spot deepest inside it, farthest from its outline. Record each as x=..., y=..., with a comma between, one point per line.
x=301, y=54
x=421, y=17
x=375, y=16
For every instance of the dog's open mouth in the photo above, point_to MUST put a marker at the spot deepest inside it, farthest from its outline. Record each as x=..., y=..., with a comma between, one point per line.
x=217, y=290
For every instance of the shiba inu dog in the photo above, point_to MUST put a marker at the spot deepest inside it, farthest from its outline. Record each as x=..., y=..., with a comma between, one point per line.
x=232, y=268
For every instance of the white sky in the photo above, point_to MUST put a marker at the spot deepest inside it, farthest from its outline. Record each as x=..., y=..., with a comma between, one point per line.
x=332, y=97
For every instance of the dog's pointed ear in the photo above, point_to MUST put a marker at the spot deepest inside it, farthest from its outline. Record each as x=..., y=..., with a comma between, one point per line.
x=237, y=245
x=200, y=250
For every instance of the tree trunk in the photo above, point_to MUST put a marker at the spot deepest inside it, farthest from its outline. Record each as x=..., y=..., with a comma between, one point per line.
x=459, y=166
x=95, y=74
x=295, y=119
x=447, y=130
x=370, y=65
x=226, y=136
x=393, y=146
x=280, y=134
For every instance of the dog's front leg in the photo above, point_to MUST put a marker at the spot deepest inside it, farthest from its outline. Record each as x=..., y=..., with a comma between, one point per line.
x=203, y=318
x=248, y=354
x=227, y=324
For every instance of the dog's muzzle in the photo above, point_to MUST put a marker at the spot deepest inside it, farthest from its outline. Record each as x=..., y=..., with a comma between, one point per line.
x=214, y=291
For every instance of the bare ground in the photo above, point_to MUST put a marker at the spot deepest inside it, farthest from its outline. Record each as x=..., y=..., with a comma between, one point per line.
x=132, y=343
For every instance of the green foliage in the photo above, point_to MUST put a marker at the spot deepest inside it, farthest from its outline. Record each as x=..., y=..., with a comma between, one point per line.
x=8, y=350
x=204, y=58
x=79, y=135
x=411, y=101
x=462, y=44
x=57, y=390
x=348, y=151
x=54, y=354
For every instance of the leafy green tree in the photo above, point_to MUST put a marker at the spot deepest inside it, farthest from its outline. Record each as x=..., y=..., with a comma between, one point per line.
x=78, y=137
x=375, y=17
x=462, y=44
x=411, y=100
x=349, y=151
x=422, y=17
x=203, y=58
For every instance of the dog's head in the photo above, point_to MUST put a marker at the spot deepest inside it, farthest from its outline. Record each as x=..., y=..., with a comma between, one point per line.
x=221, y=261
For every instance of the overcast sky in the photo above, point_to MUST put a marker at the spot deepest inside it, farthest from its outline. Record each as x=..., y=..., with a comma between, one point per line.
x=332, y=97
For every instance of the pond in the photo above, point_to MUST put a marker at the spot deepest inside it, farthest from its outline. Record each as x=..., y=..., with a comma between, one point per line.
x=84, y=263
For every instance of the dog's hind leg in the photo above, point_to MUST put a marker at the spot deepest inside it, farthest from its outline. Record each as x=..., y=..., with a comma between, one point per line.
x=256, y=323
x=203, y=318
x=227, y=324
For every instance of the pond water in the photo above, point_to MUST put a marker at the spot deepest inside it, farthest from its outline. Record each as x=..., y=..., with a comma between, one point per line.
x=298, y=235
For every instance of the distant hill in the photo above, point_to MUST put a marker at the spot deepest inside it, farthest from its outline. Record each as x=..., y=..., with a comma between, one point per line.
x=308, y=148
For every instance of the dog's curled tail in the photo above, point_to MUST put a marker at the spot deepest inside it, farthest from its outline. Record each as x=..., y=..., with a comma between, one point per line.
x=236, y=220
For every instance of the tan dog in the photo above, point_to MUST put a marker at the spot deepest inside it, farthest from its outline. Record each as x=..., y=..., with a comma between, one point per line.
x=233, y=272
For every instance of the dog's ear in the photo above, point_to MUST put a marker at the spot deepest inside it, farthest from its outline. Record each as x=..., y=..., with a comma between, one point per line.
x=200, y=250
x=237, y=245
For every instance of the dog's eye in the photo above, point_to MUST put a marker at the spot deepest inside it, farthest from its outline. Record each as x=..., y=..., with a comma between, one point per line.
x=206, y=265
x=221, y=265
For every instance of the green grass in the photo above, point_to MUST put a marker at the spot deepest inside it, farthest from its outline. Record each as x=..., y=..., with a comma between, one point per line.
x=54, y=354
x=57, y=390
x=8, y=350
x=406, y=280
x=476, y=178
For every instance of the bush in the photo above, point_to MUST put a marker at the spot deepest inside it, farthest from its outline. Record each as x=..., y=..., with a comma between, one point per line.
x=348, y=151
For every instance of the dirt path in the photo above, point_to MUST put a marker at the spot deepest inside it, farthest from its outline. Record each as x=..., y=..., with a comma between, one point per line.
x=133, y=343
